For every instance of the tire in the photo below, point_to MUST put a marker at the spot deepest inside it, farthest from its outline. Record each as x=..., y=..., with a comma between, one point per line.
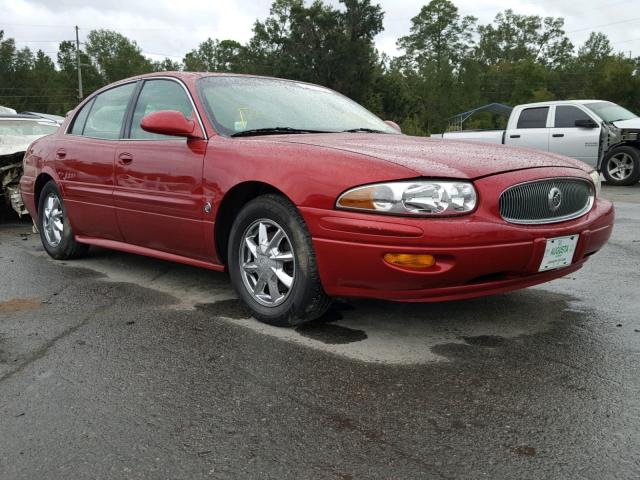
x=622, y=166
x=54, y=227
x=279, y=282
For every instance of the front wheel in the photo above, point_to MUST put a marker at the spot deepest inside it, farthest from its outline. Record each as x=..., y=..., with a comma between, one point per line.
x=272, y=263
x=622, y=166
x=54, y=227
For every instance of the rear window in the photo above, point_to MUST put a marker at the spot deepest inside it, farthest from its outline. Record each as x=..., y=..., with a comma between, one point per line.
x=107, y=112
x=533, y=117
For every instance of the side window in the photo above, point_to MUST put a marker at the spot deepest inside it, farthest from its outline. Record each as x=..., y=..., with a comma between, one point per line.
x=566, y=116
x=81, y=119
x=106, y=115
x=158, y=95
x=533, y=118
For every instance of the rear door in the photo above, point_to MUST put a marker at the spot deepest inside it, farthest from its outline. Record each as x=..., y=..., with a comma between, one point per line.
x=158, y=179
x=85, y=163
x=577, y=142
x=531, y=129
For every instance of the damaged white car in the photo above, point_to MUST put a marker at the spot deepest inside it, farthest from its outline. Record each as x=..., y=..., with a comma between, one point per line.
x=16, y=134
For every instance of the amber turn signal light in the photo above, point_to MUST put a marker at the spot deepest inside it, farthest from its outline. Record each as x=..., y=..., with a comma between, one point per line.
x=410, y=260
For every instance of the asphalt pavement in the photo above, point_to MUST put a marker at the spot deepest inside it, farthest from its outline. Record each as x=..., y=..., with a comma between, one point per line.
x=123, y=367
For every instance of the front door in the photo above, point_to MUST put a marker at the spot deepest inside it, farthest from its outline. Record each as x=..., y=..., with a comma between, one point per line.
x=577, y=142
x=158, y=179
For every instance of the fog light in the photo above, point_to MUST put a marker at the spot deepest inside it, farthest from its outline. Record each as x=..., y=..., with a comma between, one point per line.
x=410, y=260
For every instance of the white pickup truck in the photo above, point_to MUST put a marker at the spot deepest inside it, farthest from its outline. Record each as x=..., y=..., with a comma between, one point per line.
x=601, y=134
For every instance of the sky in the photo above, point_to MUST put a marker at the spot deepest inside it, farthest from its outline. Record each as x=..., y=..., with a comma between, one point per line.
x=167, y=28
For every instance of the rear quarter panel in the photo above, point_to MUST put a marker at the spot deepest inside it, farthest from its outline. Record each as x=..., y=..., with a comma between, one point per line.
x=37, y=162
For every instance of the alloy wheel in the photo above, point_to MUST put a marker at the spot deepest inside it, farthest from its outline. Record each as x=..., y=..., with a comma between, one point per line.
x=53, y=220
x=267, y=263
x=620, y=166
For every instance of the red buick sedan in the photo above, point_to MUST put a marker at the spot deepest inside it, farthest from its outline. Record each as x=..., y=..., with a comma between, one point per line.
x=302, y=194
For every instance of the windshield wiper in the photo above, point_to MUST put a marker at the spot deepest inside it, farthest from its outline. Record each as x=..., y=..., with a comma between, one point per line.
x=274, y=131
x=362, y=129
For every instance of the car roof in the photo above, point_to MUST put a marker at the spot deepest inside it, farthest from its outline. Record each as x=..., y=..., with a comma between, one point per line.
x=178, y=74
x=197, y=75
x=560, y=102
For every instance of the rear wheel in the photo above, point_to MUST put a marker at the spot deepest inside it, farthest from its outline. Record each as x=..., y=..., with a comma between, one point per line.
x=272, y=263
x=622, y=166
x=54, y=227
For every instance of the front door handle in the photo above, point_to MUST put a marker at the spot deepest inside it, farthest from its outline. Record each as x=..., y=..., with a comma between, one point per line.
x=514, y=136
x=125, y=158
x=558, y=135
x=61, y=153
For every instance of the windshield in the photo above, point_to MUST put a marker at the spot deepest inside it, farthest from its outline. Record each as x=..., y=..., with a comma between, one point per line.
x=239, y=104
x=26, y=127
x=610, y=112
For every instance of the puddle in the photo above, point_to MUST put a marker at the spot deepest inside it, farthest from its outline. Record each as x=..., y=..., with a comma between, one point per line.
x=490, y=341
x=326, y=331
x=232, y=308
x=524, y=451
x=364, y=330
x=331, y=334
x=20, y=304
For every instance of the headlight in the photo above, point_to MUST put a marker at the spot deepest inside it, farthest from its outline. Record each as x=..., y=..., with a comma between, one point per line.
x=420, y=197
x=595, y=178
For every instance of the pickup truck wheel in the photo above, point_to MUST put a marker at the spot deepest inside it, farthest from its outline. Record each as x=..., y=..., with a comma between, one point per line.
x=54, y=227
x=622, y=166
x=272, y=263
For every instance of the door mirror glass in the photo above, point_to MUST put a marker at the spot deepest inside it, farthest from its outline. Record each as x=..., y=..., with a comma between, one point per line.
x=586, y=123
x=169, y=122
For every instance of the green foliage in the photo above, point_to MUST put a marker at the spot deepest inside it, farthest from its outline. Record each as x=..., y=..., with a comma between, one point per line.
x=115, y=56
x=447, y=64
x=216, y=56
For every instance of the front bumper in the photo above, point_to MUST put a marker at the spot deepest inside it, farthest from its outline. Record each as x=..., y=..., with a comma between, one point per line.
x=476, y=255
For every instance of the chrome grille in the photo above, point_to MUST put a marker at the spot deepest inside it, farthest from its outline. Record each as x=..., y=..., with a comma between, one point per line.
x=537, y=201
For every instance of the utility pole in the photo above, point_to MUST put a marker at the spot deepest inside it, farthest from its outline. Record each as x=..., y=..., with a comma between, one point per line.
x=80, y=94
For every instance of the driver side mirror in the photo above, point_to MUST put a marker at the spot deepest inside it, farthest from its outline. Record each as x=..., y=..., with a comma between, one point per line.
x=586, y=123
x=393, y=125
x=170, y=122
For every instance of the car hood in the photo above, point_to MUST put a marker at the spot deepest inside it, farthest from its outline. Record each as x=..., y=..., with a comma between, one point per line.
x=633, y=123
x=434, y=157
x=10, y=144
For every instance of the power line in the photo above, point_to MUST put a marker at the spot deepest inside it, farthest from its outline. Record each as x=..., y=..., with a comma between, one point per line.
x=604, y=25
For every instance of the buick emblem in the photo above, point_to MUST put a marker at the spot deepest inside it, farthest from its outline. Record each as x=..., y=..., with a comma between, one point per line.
x=555, y=198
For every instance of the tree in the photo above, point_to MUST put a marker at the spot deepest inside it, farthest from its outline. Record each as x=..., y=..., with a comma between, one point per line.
x=115, y=56
x=167, y=65
x=514, y=38
x=319, y=44
x=216, y=56
x=439, y=40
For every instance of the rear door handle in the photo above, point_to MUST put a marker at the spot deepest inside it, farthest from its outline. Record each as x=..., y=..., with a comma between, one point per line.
x=61, y=153
x=558, y=135
x=125, y=158
x=514, y=136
